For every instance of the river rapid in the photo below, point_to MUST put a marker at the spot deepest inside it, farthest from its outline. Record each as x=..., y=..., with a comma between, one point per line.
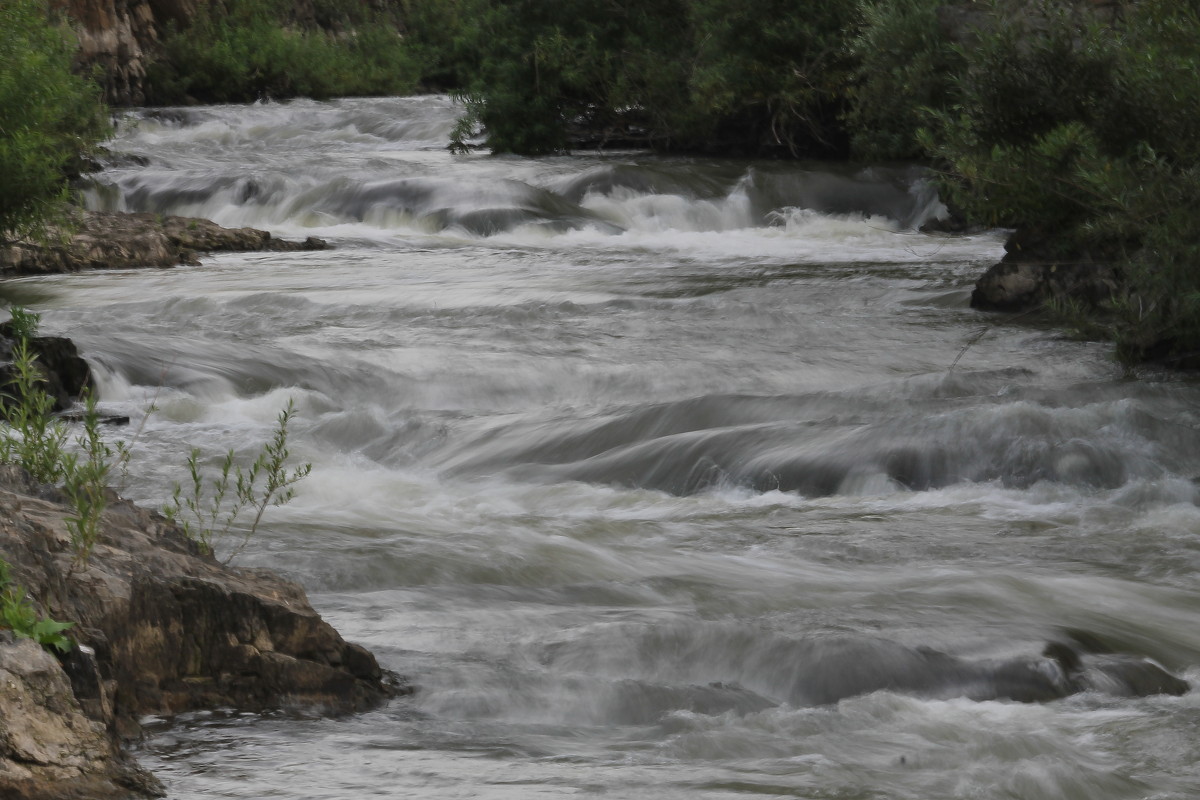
x=614, y=454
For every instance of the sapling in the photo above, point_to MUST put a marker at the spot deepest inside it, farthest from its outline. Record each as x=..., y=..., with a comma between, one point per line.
x=85, y=482
x=32, y=438
x=208, y=512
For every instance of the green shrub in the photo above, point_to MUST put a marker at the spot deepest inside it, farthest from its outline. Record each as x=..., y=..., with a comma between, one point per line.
x=31, y=437
x=752, y=77
x=35, y=440
x=1085, y=135
x=85, y=482
x=245, y=50
x=18, y=615
x=903, y=66
x=48, y=116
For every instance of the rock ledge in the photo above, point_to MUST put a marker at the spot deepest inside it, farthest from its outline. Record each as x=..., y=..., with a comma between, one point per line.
x=116, y=240
x=164, y=630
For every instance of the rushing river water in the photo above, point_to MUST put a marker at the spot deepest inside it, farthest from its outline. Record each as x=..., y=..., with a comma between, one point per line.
x=613, y=455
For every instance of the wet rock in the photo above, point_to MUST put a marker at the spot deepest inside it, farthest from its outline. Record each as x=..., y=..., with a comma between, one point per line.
x=49, y=747
x=1035, y=271
x=113, y=240
x=66, y=373
x=170, y=629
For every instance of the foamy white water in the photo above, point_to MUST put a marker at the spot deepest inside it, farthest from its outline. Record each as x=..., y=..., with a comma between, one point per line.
x=612, y=453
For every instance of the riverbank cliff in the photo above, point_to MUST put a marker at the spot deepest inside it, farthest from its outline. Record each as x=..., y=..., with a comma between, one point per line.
x=160, y=629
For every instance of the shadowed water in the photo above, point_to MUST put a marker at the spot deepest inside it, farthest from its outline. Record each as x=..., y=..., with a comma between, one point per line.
x=651, y=473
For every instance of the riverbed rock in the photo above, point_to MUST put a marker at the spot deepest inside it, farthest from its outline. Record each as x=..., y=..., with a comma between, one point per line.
x=115, y=240
x=173, y=629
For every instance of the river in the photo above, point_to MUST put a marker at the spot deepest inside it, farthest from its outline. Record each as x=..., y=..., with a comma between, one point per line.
x=611, y=453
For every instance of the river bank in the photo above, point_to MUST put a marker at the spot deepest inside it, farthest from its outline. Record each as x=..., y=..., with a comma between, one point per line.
x=160, y=629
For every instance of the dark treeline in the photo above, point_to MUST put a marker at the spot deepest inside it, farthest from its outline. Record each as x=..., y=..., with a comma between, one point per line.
x=1074, y=122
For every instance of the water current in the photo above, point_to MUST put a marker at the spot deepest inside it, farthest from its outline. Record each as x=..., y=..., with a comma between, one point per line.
x=623, y=459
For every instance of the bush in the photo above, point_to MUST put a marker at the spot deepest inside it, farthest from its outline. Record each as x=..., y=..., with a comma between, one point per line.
x=48, y=116
x=248, y=53
x=208, y=512
x=747, y=77
x=35, y=440
x=903, y=66
x=1085, y=135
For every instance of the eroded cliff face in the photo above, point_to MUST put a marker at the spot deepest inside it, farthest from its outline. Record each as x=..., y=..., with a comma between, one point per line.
x=116, y=38
x=119, y=39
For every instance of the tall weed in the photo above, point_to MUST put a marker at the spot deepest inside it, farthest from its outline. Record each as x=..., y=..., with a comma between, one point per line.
x=209, y=510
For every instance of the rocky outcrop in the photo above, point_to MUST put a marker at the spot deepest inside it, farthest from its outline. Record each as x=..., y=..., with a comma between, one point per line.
x=171, y=630
x=113, y=240
x=1035, y=270
x=116, y=38
x=65, y=373
x=49, y=748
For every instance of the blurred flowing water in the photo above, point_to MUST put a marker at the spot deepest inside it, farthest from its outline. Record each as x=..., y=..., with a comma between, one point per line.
x=612, y=451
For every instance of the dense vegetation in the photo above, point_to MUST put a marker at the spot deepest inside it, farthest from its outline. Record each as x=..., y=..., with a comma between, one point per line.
x=1079, y=131
x=746, y=76
x=49, y=117
x=1081, y=135
x=246, y=50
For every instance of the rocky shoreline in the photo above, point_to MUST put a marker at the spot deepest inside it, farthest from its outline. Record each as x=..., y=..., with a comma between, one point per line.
x=160, y=629
x=1034, y=273
x=117, y=240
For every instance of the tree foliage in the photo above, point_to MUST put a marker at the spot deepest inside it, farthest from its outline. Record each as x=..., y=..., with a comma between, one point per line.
x=1085, y=135
x=752, y=77
x=49, y=117
x=247, y=50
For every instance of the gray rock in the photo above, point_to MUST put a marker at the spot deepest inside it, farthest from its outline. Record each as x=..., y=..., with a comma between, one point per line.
x=49, y=748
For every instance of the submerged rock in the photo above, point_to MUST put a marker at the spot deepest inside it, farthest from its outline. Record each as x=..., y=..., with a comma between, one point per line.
x=171, y=629
x=841, y=667
x=115, y=240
